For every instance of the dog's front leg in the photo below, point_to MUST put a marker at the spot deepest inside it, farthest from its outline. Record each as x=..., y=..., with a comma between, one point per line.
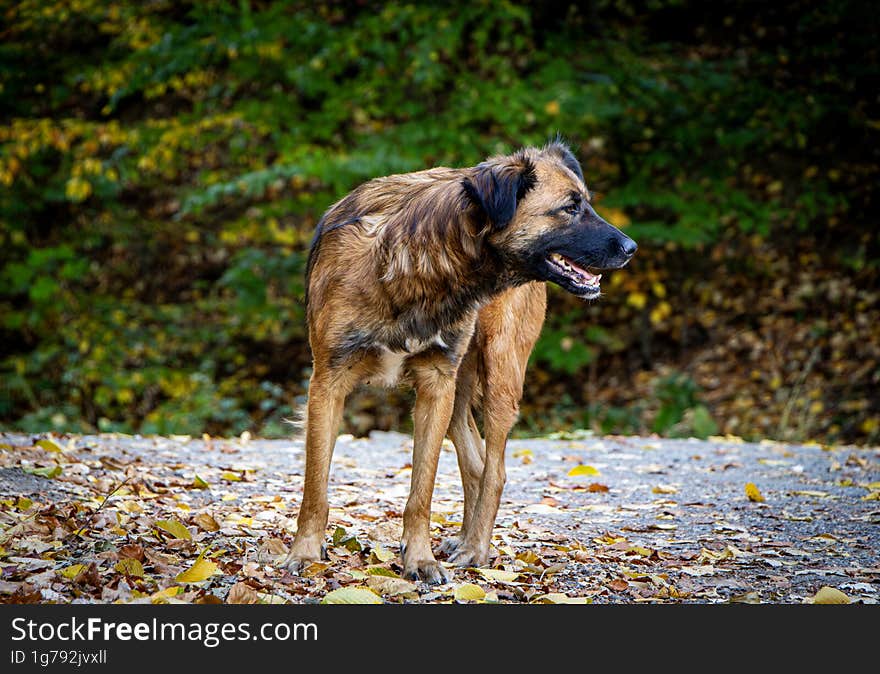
x=323, y=416
x=500, y=410
x=435, y=394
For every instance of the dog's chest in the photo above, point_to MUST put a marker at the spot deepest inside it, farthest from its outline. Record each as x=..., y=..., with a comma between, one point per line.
x=390, y=364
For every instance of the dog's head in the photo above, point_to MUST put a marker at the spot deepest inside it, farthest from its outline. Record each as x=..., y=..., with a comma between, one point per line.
x=537, y=216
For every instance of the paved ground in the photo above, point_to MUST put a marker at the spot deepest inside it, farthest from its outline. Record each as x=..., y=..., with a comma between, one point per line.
x=613, y=519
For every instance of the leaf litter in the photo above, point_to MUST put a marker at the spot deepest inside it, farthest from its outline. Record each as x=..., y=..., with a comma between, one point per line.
x=128, y=519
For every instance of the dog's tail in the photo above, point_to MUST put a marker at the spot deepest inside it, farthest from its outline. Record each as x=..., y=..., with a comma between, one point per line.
x=298, y=419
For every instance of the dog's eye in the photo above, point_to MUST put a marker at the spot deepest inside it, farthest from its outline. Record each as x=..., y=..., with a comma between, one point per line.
x=573, y=208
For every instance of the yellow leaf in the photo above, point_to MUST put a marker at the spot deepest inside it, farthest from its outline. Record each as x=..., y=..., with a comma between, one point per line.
x=24, y=503
x=380, y=554
x=174, y=528
x=469, y=592
x=130, y=567
x=639, y=550
x=78, y=189
x=352, y=595
x=50, y=472
x=529, y=557
x=201, y=570
x=381, y=571
x=199, y=483
x=314, y=569
x=754, y=493
x=230, y=476
x=72, y=571
x=560, y=598
x=608, y=539
x=583, y=470
x=498, y=575
x=830, y=595
x=167, y=596
x=48, y=445
x=664, y=489
x=637, y=300
x=206, y=522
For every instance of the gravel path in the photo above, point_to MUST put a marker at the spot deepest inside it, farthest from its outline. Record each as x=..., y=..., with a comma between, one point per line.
x=630, y=518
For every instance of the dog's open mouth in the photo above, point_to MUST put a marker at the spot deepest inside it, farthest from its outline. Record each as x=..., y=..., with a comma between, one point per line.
x=584, y=282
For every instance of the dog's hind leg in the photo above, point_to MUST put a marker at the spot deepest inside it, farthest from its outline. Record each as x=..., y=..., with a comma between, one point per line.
x=327, y=392
x=435, y=396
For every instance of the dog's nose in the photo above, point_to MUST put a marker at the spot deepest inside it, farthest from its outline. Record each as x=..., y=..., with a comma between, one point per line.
x=629, y=247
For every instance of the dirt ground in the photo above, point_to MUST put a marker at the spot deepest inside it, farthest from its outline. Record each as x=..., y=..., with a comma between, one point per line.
x=114, y=518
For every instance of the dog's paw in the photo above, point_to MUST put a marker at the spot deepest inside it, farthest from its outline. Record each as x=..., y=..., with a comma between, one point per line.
x=450, y=545
x=299, y=559
x=467, y=554
x=428, y=570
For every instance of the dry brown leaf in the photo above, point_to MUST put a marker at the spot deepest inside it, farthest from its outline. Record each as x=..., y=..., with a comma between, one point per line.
x=242, y=593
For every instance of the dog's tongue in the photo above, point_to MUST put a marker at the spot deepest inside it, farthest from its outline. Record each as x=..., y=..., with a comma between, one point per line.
x=592, y=279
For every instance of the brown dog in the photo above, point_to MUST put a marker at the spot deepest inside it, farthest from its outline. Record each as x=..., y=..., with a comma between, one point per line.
x=437, y=276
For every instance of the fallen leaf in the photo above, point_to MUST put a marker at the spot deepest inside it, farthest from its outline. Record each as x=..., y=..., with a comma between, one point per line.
x=201, y=570
x=50, y=472
x=48, y=445
x=753, y=493
x=230, y=476
x=469, y=592
x=498, y=575
x=830, y=595
x=583, y=469
x=664, y=489
x=618, y=585
x=199, y=483
x=390, y=587
x=381, y=571
x=174, y=528
x=314, y=569
x=206, y=523
x=597, y=487
x=560, y=598
x=529, y=557
x=133, y=551
x=352, y=595
x=130, y=567
x=242, y=593
x=72, y=571
x=380, y=554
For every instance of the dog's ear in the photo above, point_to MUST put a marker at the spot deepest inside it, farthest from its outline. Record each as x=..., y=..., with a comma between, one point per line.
x=498, y=184
x=562, y=152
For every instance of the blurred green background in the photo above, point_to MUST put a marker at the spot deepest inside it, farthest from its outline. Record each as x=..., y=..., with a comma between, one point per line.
x=163, y=164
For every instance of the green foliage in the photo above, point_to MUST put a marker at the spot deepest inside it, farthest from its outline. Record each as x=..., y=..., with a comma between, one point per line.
x=162, y=166
x=681, y=413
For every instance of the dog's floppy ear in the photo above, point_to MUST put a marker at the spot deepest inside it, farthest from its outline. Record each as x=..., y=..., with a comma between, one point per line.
x=496, y=185
x=560, y=150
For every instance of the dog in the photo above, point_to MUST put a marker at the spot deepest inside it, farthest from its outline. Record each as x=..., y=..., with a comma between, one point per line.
x=438, y=277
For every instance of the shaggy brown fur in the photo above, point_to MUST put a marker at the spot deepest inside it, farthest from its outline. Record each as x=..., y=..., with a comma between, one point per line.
x=436, y=277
